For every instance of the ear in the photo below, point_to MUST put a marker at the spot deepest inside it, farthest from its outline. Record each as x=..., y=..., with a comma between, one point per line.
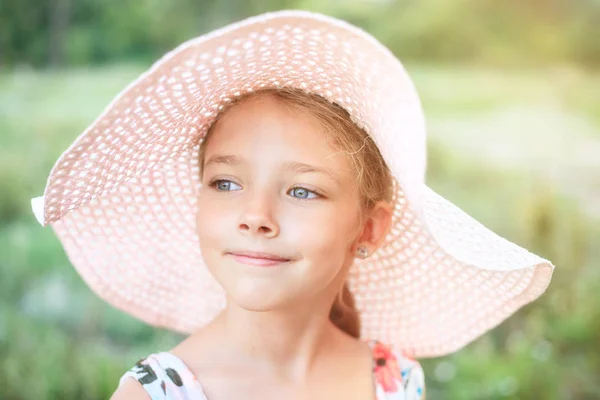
x=376, y=225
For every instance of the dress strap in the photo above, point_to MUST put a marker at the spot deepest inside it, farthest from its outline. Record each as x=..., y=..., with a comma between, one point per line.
x=396, y=376
x=165, y=376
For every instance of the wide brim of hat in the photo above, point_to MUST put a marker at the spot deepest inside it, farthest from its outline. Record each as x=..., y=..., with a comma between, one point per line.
x=123, y=198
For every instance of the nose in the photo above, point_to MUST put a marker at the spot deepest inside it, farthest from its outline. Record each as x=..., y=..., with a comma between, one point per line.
x=257, y=218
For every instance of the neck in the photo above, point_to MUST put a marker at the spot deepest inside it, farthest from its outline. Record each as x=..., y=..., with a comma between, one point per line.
x=285, y=341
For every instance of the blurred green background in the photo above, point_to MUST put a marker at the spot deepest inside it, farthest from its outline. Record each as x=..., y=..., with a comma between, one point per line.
x=511, y=90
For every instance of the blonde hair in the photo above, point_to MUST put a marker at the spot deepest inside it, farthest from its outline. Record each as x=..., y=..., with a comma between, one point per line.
x=374, y=178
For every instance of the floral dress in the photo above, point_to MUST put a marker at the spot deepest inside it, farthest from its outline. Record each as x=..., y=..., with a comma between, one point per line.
x=165, y=376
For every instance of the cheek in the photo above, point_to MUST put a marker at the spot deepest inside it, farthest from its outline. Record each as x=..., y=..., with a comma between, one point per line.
x=325, y=241
x=214, y=225
x=213, y=221
x=323, y=233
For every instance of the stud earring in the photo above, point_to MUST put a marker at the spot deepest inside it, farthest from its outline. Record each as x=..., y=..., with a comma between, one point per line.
x=362, y=252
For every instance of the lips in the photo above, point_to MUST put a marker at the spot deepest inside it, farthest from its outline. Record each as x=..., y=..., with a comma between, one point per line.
x=258, y=258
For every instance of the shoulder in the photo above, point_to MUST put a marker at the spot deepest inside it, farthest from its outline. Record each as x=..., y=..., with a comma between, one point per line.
x=158, y=376
x=142, y=380
x=130, y=389
x=397, y=372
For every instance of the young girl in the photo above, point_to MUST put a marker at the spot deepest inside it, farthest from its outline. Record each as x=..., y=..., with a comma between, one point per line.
x=262, y=189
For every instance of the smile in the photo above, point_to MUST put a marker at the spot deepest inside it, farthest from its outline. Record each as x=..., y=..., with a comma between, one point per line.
x=258, y=259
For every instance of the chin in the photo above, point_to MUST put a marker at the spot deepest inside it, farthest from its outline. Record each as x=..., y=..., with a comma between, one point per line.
x=259, y=299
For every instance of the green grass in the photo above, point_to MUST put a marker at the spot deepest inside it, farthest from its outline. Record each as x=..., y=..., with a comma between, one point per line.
x=58, y=340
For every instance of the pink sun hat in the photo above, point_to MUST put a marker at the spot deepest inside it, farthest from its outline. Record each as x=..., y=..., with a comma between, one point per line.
x=122, y=198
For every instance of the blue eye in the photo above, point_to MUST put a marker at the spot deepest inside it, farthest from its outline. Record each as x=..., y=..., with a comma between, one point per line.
x=225, y=185
x=302, y=193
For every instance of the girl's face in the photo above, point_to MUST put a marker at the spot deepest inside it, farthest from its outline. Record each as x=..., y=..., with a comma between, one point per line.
x=279, y=211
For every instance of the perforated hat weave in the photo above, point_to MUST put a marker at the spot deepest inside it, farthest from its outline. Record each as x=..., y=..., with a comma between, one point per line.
x=123, y=197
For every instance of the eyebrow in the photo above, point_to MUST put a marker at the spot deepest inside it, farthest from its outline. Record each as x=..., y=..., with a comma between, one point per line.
x=297, y=167
x=218, y=159
x=307, y=168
